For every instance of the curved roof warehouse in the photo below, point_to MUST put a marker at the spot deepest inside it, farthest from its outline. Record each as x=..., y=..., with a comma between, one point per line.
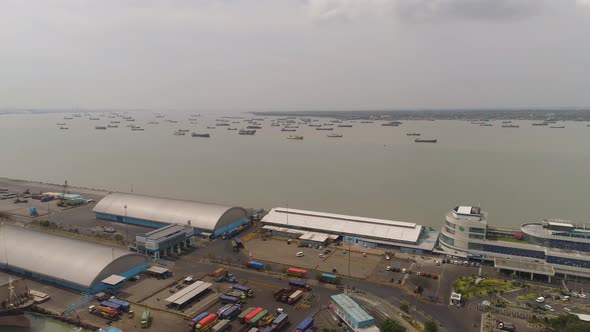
x=72, y=263
x=157, y=212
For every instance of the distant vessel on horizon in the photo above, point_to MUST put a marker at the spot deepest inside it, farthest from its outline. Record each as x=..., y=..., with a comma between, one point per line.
x=418, y=140
x=334, y=135
x=413, y=134
x=247, y=132
x=510, y=126
x=200, y=135
x=296, y=137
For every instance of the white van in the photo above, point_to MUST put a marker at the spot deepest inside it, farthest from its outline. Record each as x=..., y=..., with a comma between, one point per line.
x=300, y=254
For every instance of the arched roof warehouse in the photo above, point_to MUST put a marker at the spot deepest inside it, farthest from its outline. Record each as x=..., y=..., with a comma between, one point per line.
x=70, y=262
x=206, y=216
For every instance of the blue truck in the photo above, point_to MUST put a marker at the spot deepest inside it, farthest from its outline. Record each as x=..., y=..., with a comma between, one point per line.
x=125, y=306
x=305, y=325
x=256, y=265
x=110, y=304
x=196, y=320
x=328, y=278
x=279, y=322
x=229, y=299
x=231, y=312
x=299, y=285
x=244, y=289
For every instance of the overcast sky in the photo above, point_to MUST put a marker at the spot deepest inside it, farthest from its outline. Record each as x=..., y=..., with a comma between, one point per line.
x=294, y=54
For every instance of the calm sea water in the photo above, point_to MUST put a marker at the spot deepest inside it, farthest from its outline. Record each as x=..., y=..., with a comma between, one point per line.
x=516, y=174
x=42, y=324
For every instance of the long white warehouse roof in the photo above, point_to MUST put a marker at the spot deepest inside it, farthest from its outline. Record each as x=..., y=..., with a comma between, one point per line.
x=337, y=223
x=206, y=216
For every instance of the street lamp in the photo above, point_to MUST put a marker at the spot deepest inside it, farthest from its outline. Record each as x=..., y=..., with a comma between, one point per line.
x=126, y=230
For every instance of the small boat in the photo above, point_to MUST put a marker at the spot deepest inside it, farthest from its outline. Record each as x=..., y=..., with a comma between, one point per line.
x=334, y=135
x=366, y=121
x=247, y=132
x=93, y=119
x=275, y=124
x=323, y=128
x=506, y=121
x=486, y=125
x=390, y=124
x=115, y=121
x=254, y=127
x=295, y=137
x=77, y=115
x=200, y=135
x=222, y=124
x=288, y=129
x=232, y=128
x=153, y=122
x=179, y=133
x=100, y=128
x=510, y=126
x=112, y=126
x=61, y=123
x=344, y=126
x=63, y=128
x=418, y=140
x=540, y=124
x=413, y=134
x=315, y=125
x=137, y=129
x=211, y=127
x=68, y=118
x=557, y=127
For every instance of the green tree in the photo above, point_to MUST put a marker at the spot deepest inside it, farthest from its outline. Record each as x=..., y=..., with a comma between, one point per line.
x=430, y=326
x=566, y=323
x=390, y=325
x=405, y=307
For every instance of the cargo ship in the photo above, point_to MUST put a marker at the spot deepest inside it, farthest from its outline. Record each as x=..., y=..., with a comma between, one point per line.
x=200, y=135
x=419, y=140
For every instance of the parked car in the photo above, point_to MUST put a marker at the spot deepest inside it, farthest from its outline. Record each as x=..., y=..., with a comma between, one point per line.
x=540, y=299
x=300, y=254
x=548, y=307
x=567, y=310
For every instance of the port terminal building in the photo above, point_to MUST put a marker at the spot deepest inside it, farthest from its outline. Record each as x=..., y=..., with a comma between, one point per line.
x=206, y=219
x=357, y=319
x=168, y=239
x=320, y=228
x=71, y=263
x=549, y=248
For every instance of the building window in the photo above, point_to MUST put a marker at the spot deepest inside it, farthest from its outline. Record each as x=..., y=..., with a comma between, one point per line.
x=450, y=224
x=451, y=231
x=474, y=246
x=447, y=240
x=477, y=230
x=475, y=236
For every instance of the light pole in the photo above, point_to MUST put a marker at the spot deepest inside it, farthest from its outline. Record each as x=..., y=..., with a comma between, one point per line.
x=126, y=230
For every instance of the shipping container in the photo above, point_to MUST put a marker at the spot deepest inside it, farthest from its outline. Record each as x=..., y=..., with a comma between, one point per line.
x=293, y=298
x=244, y=313
x=221, y=326
x=299, y=284
x=231, y=312
x=195, y=320
x=223, y=308
x=244, y=289
x=229, y=299
x=239, y=242
x=279, y=322
x=254, y=321
x=218, y=272
x=252, y=314
x=256, y=265
x=305, y=325
x=328, y=278
x=297, y=272
x=125, y=306
x=206, y=323
x=110, y=304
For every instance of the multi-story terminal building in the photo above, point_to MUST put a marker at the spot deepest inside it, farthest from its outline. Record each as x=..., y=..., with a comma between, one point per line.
x=546, y=248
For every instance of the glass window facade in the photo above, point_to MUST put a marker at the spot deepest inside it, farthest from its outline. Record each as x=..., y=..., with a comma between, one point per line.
x=568, y=261
x=514, y=251
x=449, y=230
x=447, y=239
x=476, y=236
x=475, y=246
x=477, y=230
x=450, y=224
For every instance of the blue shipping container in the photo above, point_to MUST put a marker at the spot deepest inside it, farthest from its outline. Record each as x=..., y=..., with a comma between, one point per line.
x=110, y=304
x=305, y=325
x=125, y=306
x=256, y=265
x=197, y=319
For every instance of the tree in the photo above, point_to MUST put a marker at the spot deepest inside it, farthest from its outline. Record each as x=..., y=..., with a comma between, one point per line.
x=405, y=307
x=566, y=323
x=430, y=326
x=390, y=325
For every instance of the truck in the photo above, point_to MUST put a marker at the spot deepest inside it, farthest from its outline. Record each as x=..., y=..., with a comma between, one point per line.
x=101, y=296
x=279, y=322
x=125, y=306
x=295, y=272
x=221, y=326
x=239, y=242
x=505, y=326
x=299, y=285
x=244, y=313
x=234, y=245
x=247, y=290
x=238, y=294
x=328, y=278
x=305, y=325
x=223, y=308
x=146, y=319
x=252, y=314
x=254, y=321
x=206, y=323
x=231, y=312
x=279, y=294
x=285, y=297
x=104, y=312
x=293, y=298
x=110, y=304
x=196, y=320
x=218, y=272
x=255, y=265
x=229, y=299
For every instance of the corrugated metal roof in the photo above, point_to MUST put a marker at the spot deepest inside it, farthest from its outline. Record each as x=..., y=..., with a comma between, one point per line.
x=189, y=292
x=61, y=258
x=376, y=228
x=113, y=279
x=352, y=308
x=157, y=269
x=164, y=231
x=165, y=210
